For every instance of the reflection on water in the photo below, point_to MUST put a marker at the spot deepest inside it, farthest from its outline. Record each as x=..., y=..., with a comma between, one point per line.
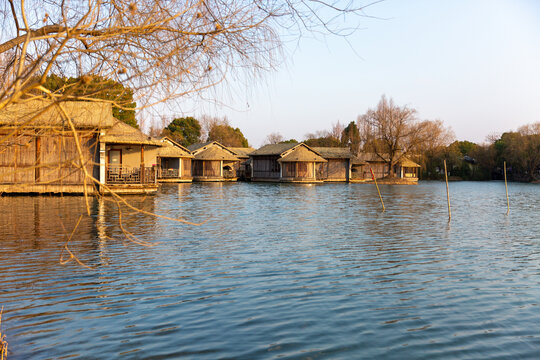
x=279, y=270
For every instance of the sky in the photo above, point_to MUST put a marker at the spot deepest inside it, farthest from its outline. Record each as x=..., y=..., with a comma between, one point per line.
x=474, y=64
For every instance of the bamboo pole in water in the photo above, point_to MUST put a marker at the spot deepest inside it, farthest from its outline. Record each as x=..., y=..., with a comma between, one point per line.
x=506, y=186
x=447, y=192
x=380, y=197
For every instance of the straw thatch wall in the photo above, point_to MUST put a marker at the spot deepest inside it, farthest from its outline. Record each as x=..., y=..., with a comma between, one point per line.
x=32, y=158
x=334, y=170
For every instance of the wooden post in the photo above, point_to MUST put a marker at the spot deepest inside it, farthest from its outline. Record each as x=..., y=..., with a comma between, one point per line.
x=378, y=191
x=447, y=192
x=142, y=164
x=38, y=159
x=506, y=186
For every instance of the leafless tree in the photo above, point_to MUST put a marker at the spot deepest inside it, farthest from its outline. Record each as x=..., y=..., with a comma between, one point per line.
x=162, y=50
x=392, y=132
x=273, y=138
x=337, y=130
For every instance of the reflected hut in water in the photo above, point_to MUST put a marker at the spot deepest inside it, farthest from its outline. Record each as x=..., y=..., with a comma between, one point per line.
x=213, y=162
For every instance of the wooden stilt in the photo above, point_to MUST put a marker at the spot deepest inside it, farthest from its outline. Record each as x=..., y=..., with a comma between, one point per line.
x=380, y=197
x=506, y=186
x=447, y=191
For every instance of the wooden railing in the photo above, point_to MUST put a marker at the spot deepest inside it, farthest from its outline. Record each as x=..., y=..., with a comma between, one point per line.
x=130, y=175
x=168, y=174
x=229, y=174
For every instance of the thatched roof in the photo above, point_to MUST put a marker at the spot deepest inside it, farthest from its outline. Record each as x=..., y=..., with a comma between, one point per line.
x=334, y=152
x=301, y=153
x=44, y=113
x=357, y=161
x=289, y=152
x=197, y=146
x=408, y=163
x=242, y=152
x=171, y=148
x=212, y=151
x=273, y=149
x=122, y=133
x=372, y=157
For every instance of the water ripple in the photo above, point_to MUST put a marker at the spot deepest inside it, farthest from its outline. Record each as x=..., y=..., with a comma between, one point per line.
x=278, y=271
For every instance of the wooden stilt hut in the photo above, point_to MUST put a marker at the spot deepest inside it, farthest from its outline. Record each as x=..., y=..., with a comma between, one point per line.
x=174, y=162
x=213, y=162
x=39, y=146
x=285, y=163
x=130, y=159
x=405, y=169
x=72, y=147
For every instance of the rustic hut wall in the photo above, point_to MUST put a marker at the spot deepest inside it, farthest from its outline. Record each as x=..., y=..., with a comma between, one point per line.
x=266, y=167
x=380, y=170
x=206, y=168
x=212, y=168
x=298, y=170
x=186, y=167
x=336, y=169
x=289, y=170
x=51, y=158
x=361, y=172
x=131, y=154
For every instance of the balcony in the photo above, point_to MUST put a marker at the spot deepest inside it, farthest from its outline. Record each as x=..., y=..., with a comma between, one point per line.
x=130, y=175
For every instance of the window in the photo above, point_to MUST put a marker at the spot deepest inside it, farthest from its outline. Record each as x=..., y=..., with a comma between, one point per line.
x=115, y=157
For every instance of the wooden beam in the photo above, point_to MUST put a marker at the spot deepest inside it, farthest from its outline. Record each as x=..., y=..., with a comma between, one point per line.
x=142, y=164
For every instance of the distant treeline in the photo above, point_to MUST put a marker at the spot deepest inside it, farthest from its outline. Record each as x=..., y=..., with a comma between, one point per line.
x=469, y=161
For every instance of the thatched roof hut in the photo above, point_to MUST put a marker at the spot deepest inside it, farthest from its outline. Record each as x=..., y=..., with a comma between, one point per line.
x=285, y=162
x=213, y=162
x=212, y=150
x=301, y=153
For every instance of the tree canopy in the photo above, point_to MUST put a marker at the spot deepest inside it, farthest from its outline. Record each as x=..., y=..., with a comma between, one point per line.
x=351, y=137
x=185, y=130
x=227, y=135
x=391, y=132
x=96, y=87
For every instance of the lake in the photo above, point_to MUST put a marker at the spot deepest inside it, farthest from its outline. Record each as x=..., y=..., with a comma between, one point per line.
x=276, y=271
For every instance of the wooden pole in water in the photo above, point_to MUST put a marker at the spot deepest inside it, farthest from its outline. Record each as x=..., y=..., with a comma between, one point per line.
x=506, y=186
x=380, y=197
x=447, y=192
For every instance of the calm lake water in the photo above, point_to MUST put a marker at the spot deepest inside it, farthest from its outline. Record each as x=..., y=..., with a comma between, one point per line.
x=277, y=271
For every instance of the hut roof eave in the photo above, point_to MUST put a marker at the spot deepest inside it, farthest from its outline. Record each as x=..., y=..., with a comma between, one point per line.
x=42, y=113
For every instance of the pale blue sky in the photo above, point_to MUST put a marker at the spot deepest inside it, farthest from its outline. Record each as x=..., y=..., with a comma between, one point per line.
x=475, y=64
